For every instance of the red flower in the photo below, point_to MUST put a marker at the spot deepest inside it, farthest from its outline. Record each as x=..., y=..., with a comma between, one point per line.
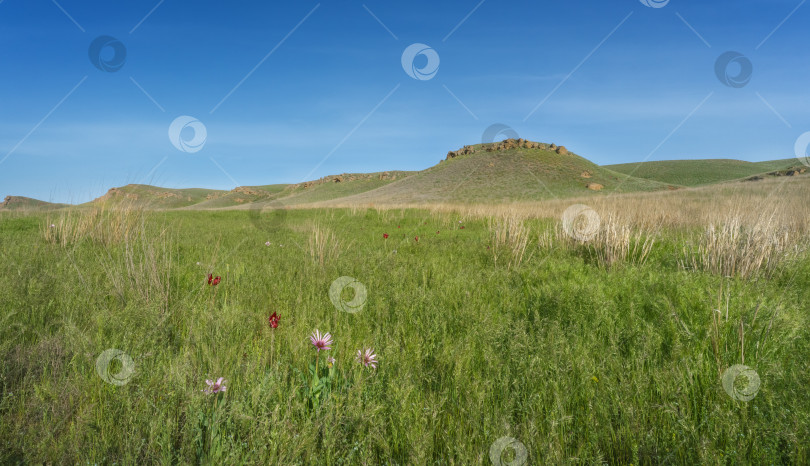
x=385, y=235
x=416, y=238
x=210, y=277
x=212, y=280
x=273, y=320
x=462, y=227
x=399, y=226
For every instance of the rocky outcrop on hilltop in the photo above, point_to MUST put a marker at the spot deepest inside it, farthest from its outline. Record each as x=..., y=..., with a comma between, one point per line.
x=507, y=144
x=10, y=201
x=247, y=190
x=795, y=171
x=117, y=194
x=347, y=177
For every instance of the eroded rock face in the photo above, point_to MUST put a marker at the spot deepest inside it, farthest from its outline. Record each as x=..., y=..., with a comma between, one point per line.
x=248, y=191
x=506, y=144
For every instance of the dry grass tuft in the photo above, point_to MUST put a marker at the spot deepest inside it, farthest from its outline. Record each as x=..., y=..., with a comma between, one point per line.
x=509, y=237
x=101, y=225
x=617, y=243
x=744, y=245
x=323, y=245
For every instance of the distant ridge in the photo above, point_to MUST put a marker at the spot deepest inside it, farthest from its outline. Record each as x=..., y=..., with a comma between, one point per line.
x=509, y=170
x=27, y=203
x=707, y=171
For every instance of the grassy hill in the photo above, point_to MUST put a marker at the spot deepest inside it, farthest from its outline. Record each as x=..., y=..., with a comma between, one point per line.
x=241, y=195
x=700, y=172
x=513, y=174
x=156, y=197
x=26, y=203
x=326, y=188
x=330, y=188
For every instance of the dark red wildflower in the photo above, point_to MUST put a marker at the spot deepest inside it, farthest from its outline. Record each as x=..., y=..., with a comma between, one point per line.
x=212, y=280
x=210, y=277
x=273, y=320
x=416, y=238
x=385, y=235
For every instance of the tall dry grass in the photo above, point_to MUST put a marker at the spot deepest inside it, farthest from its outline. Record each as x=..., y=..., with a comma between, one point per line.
x=744, y=244
x=142, y=267
x=102, y=224
x=509, y=237
x=138, y=266
x=616, y=242
x=324, y=246
x=735, y=228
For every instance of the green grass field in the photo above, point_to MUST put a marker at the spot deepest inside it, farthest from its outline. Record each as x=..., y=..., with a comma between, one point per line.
x=578, y=362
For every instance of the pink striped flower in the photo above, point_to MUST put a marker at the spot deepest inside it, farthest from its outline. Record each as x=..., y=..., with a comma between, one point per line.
x=216, y=387
x=367, y=358
x=321, y=342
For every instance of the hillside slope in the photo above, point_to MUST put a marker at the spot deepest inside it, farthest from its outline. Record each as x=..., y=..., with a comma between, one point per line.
x=505, y=172
x=155, y=197
x=700, y=172
x=27, y=203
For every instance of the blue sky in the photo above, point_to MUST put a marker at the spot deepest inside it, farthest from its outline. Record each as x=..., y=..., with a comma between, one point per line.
x=289, y=91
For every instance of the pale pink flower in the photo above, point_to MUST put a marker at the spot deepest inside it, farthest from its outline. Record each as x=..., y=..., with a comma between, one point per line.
x=216, y=387
x=321, y=342
x=330, y=361
x=367, y=358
